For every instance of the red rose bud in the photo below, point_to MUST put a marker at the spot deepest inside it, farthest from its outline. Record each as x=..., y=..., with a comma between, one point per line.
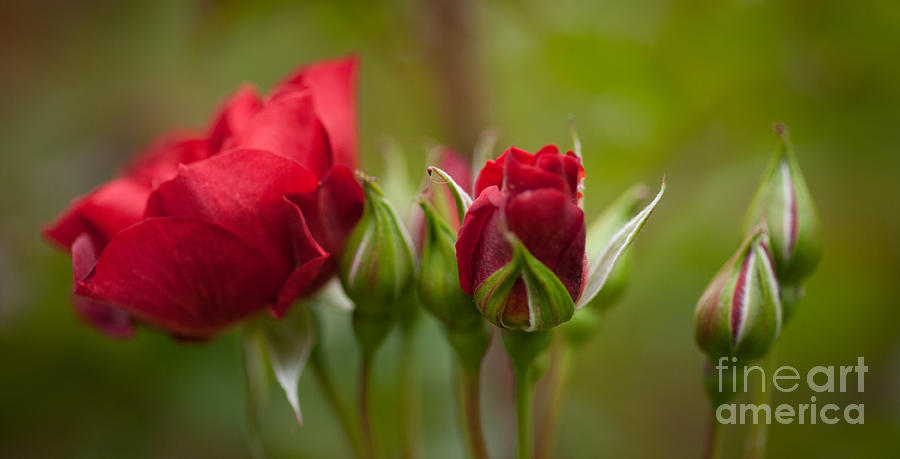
x=739, y=314
x=520, y=250
x=377, y=266
x=205, y=229
x=784, y=203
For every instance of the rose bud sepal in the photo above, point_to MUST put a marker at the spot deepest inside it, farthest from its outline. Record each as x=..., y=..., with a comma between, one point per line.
x=740, y=314
x=783, y=202
x=548, y=300
x=376, y=267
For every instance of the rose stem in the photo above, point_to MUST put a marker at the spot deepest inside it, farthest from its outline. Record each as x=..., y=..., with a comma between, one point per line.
x=470, y=401
x=407, y=398
x=365, y=422
x=559, y=372
x=524, y=392
x=713, y=449
x=345, y=415
x=755, y=447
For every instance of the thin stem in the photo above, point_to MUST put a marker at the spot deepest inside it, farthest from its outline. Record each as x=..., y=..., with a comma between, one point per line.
x=345, y=415
x=524, y=392
x=407, y=398
x=713, y=449
x=755, y=447
x=470, y=399
x=365, y=422
x=559, y=372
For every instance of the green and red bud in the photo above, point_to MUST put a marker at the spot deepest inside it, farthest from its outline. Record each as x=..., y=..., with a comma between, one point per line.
x=784, y=204
x=740, y=313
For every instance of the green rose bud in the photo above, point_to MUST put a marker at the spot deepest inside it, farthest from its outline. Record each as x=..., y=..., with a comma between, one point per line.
x=784, y=204
x=376, y=267
x=739, y=314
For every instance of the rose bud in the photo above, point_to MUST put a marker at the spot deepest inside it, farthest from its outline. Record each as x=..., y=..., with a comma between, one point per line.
x=784, y=203
x=739, y=314
x=521, y=247
x=377, y=266
x=203, y=230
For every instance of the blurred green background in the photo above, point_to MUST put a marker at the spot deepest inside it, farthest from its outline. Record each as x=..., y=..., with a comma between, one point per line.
x=688, y=89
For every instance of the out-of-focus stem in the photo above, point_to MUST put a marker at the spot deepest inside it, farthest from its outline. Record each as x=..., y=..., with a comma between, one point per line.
x=341, y=409
x=755, y=447
x=713, y=448
x=524, y=392
x=365, y=421
x=407, y=396
x=559, y=374
x=470, y=401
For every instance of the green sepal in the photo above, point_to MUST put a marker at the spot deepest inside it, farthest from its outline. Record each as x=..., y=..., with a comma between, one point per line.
x=549, y=303
x=602, y=265
x=600, y=234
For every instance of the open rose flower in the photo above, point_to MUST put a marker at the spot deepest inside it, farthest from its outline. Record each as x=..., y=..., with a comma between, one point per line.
x=528, y=200
x=203, y=230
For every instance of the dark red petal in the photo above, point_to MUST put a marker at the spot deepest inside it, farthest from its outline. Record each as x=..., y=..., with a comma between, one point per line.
x=481, y=248
x=308, y=260
x=187, y=275
x=333, y=84
x=241, y=190
x=102, y=213
x=552, y=228
x=567, y=167
x=332, y=209
x=492, y=173
x=109, y=320
x=521, y=176
x=287, y=126
x=234, y=115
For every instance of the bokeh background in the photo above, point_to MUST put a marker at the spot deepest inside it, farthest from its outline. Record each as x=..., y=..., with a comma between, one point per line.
x=688, y=89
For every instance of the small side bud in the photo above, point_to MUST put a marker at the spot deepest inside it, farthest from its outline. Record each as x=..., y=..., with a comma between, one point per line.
x=784, y=204
x=740, y=314
x=377, y=265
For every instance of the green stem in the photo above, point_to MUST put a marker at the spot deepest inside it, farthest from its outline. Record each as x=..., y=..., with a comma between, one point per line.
x=713, y=449
x=365, y=422
x=407, y=398
x=253, y=365
x=524, y=393
x=470, y=399
x=755, y=447
x=559, y=372
x=341, y=409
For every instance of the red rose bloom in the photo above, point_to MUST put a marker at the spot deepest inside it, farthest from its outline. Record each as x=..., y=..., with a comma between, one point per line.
x=536, y=198
x=203, y=230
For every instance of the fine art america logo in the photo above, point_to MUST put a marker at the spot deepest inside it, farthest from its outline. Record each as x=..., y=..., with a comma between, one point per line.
x=819, y=379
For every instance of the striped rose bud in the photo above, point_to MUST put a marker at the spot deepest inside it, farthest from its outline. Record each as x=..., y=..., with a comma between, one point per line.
x=784, y=204
x=739, y=314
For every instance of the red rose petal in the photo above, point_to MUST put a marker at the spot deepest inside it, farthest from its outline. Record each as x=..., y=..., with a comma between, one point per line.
x=479, y=243
x=287, y=126
x=241, y=190
x=187, y=275
x=234, y=115
x=309, y=258
x=553, y=230
x=109, y=320
x=101, y=213
x=333, y=85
